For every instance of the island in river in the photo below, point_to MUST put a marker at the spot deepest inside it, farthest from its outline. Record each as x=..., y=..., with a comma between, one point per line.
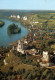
x=1, y=23
x=13, y=29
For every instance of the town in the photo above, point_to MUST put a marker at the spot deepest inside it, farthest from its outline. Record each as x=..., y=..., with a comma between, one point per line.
x=34, y=51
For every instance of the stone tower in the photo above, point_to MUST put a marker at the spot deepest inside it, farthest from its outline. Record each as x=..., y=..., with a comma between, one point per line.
x=45, y=59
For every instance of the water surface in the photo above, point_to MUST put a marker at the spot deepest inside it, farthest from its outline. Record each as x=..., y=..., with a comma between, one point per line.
x=5, y=39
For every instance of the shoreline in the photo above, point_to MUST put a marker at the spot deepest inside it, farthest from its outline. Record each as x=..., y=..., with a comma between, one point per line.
x=22, y=37
x=14, y=42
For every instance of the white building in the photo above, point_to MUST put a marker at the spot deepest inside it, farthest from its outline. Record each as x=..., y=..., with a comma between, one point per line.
x=31, y=51
x=25, y=41
x=34, y=34
x=36, y=22
x=13, y=16
x=5, y=63
x=18, y=16
x=54, y=52
x=45, y=56
x=45, y=59
x=8, y=54
x=25, y=18
x=20, y=47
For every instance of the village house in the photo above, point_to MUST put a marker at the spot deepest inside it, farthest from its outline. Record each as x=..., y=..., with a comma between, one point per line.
x=22, y=46
x=13, y=16
x=5, y=63
x=54, y=52
x=35, y=22
x=25, y=18
x=31, y=52
x=45, y=59
x=18, y=16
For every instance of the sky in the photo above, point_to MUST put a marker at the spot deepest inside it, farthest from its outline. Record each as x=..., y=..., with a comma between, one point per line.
x=28, y=4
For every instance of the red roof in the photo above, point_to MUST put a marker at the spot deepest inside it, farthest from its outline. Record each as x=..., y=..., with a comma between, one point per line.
x=17, y=77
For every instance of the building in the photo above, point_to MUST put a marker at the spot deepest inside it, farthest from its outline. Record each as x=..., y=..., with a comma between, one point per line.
x=54, y=52
x=25, y=18
x=31, y=52
x=25, y=41
x=18, y=16
x=5, y=63
x=20, y=47
x=35, y=22
x=45, y=59
x=13, y=16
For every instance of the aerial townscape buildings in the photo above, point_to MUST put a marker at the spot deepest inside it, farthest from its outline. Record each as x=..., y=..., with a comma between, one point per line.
x=23, y=46
x=25, y=18
x=27, y=40
x=15, y=16
x=18, y=17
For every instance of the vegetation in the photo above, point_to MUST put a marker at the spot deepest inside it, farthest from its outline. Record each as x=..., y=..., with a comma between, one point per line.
x=22, y=67
x=26, y=67
x=13, y=29
x=44, y=30
x=1, y=23
x=34, y=74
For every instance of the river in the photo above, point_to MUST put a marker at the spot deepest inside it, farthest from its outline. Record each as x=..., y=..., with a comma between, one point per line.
x=5, y=39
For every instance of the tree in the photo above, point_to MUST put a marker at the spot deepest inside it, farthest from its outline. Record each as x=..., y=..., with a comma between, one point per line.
x=13, y=29
x=1, y=23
